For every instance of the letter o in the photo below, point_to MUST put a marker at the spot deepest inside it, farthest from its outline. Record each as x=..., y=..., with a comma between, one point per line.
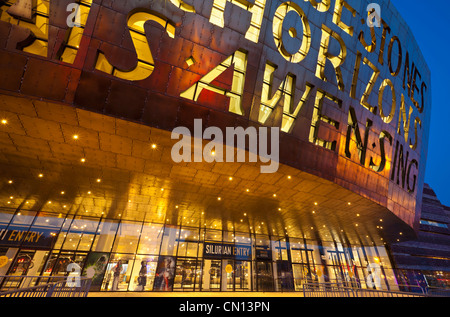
x=384, y=84
x=278, y=20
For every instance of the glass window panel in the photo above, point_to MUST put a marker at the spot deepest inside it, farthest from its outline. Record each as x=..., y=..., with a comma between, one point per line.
x=242, y=276
x=118, y=272
x=185, y=274
x=143, y=274
x=63, y=233
x=48, y=220
x=213, y=235
x=127, y=237
x=24, y=218
x=104, y=238
x=262, y=241
x=5, y=218
x=150, y=241
x=242, y=238
x=189, y=234
x=170, y=240
x=81, y=234
x=211, y=275
x=187, y=249
x=63, y=260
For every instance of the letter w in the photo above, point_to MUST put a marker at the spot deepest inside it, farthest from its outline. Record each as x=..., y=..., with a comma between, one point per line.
x=285, y=90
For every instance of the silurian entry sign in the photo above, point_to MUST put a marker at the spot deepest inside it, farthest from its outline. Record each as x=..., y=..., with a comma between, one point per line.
x=227, y=250
x=315, y=69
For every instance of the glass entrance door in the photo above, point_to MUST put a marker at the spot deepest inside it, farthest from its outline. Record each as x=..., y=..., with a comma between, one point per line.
x=211, y=275
x=264, y=276
x=242, y=276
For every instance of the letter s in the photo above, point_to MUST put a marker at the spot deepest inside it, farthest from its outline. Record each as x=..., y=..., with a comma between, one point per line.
x=145, y=63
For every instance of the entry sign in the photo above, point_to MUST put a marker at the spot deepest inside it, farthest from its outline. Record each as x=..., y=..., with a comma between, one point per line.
x=227, y=250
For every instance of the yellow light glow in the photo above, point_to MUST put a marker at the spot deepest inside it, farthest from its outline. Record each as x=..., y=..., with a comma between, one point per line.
x=75, y=136
x=83, y=160
x=153, y=146
x=41, y=175
x=4, y=121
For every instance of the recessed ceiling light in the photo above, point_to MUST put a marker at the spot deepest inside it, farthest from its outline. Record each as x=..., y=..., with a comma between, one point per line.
x=75, y=136
x=83, y=160
x=4, y=121
x=153, y=146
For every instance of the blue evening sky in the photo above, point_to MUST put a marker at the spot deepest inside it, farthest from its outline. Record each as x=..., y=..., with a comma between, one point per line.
x=430, y=23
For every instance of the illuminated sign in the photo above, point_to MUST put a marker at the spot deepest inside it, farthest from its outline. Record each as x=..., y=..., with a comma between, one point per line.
x=225, y=250
x=19, y=236
x=334, y=57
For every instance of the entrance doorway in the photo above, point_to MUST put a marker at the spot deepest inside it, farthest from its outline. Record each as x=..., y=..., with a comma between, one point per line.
x=211, y=277
x=264, y=276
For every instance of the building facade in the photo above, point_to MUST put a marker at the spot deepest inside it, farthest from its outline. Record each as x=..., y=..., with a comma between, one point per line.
x=425, y=261
x=113, y=119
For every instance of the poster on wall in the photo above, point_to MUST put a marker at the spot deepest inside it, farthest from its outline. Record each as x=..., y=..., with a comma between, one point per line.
x=164, y=274
x=95, y=268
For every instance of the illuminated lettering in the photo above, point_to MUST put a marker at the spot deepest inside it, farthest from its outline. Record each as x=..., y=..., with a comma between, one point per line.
x=386, y=29
x=318, y=117
x=256, y=9
x=360, y=144
x=370, y=85
x=401, y=165
x=372, y=46
x=183, y=5
x=387, y=118
x=69, y=49
x=324, y=55
x=321, y=6
x=239, y=61
x=417, y=122
x=393, y=40
x=286, y=90
x=405, y=118
x=337, y=15
x=379, y=168
x=278, y=20
x=145, y=63
x=33, y=15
